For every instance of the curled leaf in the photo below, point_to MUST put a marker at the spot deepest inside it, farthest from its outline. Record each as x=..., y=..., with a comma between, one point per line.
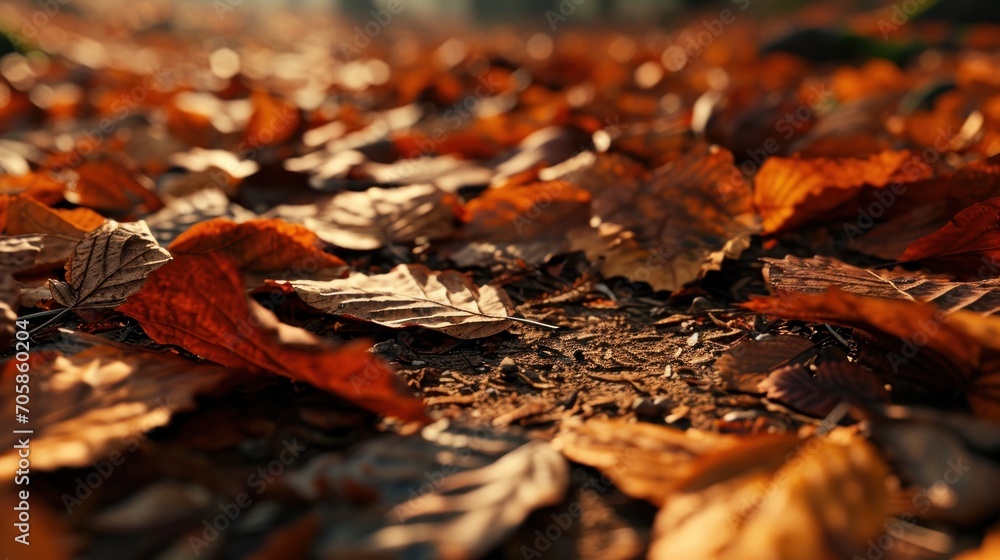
x=791, y=192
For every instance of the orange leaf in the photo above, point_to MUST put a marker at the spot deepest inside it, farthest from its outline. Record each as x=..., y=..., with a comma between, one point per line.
x=37, y=185
x=109, y=186
x=20, y=215
x=969, y=243
x=791, y=192
x=257, y=245
x=197, y=302
x=272, y=122
x=527, y=222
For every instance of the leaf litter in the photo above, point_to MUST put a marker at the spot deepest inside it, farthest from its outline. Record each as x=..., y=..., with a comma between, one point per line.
x=512, y=295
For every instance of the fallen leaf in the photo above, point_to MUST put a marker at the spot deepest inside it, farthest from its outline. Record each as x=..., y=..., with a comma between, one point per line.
x=792, y=192
x=257, y=245
x=448, y=173
x=963, y=346
x=272, y=122
x=671, y=228
x=102, y=400
x=815, y=275
x=180, y=214
x=818, y=393
x=469, y=513
x=16, y=254
x=376, y=217
x=197, y=302
x=519, y=222
x=38, y=185
x=643, y=460
x=379, y=488
x=413, y=296
x=969, y=244
x=109, y=265
x=110, y=186
x=199, y=160
x=21, y=215
x=822, y=499
x=749, y=362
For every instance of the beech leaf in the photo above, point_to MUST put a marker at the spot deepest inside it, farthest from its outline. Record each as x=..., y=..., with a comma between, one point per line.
x=198, y=302
x=413, y=296
x=371, y=219
x=815, y=275
x=110, y=264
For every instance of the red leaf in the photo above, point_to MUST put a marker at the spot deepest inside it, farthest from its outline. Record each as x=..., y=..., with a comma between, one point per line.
x=197, y=302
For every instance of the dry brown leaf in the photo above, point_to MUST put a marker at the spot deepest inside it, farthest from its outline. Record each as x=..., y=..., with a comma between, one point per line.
x=379, y=483
x=181, y=214
x=413, y=296
x=791, y=192
x=815, y=275
x=963, y=347
x=109, y=265
x=198, y=302
x=671, y=228
x=376, y=217
x=527, y=222
x=448, y=173
x=817, y=395
x=748, y=362
x=16, y=254
x=199, y=160
x=258, y=245
x=645, y=461
x=101, y=400
x=968, y=245
x=469, y=513
x=822, y=500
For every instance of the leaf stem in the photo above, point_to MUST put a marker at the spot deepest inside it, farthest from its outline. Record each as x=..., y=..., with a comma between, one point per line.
x=530, y=322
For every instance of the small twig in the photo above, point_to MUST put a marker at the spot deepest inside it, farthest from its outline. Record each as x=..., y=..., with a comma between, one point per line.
x=59, y=314
x=837, y=336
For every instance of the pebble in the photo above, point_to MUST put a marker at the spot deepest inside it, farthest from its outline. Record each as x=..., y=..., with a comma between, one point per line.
x=508, y=365
x=692, y=340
